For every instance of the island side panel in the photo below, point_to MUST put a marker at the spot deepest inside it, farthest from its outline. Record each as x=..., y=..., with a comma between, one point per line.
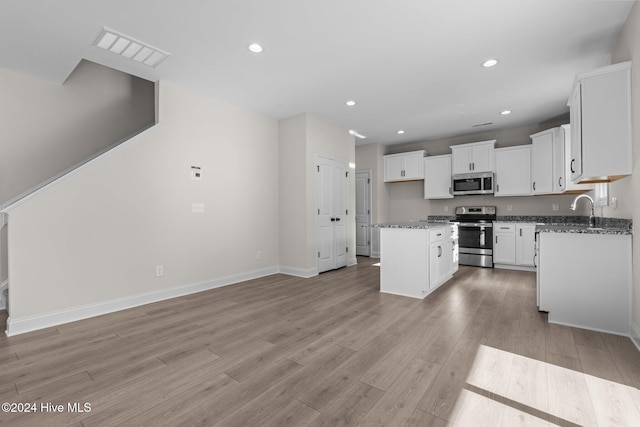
x=404, y=261
x=585, y=280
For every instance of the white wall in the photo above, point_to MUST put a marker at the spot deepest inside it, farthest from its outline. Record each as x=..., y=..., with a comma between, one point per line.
x=370, y=157
x=47, y=127
x=626, y=189
x=293, y=196
x=98, y=235
x=302, y=138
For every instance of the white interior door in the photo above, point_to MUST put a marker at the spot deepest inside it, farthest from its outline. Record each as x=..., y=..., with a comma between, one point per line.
x=332, y=201
x=363, y=213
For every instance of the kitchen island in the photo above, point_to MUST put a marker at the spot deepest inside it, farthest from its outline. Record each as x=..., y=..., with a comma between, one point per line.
x=416, y=257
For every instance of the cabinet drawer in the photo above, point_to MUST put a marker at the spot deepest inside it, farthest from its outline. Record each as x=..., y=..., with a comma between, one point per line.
x=437, y=235
x=501, y=227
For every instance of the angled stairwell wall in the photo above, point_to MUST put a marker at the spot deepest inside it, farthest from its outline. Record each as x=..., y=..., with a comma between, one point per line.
x=47, y=128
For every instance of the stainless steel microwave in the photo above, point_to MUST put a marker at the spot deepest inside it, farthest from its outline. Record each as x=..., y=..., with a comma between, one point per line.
x=472, y=183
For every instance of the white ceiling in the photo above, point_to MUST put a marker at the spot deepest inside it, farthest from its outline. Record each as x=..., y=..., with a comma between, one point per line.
x=410, y=64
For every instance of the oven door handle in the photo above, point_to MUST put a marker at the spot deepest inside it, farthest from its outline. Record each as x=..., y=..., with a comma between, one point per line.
x=473, y=224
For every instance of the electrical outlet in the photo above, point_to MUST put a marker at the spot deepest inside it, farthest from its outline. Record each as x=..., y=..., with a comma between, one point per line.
x=446, y=208
x=555, y=206
x=197, y=207
x=509, y=208
x=614, y=202
x=259, y=255
x=159, y=270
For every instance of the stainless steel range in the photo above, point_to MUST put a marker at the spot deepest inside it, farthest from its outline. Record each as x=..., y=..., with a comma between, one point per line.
x=475, y=234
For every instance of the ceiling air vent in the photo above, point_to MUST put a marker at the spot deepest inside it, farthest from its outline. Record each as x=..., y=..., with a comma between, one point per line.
x=482, y=124
x=130, y=48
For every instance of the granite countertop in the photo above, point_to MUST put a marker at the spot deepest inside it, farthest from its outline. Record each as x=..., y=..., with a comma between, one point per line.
x=544, y=224
x=581, y=229
x=411, y=224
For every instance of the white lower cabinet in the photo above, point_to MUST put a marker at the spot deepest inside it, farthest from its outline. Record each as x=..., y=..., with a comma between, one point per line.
x=514, y=245
x=440, y=258
x=504, y=243
x=525, y=245
x=416, y=261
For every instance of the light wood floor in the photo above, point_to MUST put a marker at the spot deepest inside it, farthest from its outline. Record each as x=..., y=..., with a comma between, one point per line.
x=332, y=350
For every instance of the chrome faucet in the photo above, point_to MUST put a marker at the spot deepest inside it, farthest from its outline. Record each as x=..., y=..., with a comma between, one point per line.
x=592, y=218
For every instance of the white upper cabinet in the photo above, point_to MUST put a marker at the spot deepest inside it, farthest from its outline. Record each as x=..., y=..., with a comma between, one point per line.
x=473, y=157
x=404, y=166
x=551, y=162
x=542, y=161
x=601, y=124
x=559, y=155
x=437, y=177
x=513, y=171
x=562, y=178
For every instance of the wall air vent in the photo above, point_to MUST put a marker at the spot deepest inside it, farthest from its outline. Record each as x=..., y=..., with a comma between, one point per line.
x=130, y=48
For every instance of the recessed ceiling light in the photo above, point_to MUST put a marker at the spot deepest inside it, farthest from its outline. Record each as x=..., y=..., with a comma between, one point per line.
x=400, y=132
x=130, y=48
x=255, y=48
x=350, y=103
x=356, y=134
x=490, y=63
x=505, y=112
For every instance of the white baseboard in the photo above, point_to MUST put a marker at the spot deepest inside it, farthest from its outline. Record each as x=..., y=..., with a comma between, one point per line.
x=606, y=331
x=375, y=254
x=33, y=323
x=514, y=267
x=299, y=272
x=635, y=335
x=352, y=261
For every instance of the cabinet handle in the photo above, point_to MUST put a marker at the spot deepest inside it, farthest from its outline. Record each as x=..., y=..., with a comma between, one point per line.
x=450, y=190
x=560, y=182
x=498, y=188
x=572, y=160
x=504, y=228
x=496, y=240
x=439, y=251
x=521, y=232
x=534, y=186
